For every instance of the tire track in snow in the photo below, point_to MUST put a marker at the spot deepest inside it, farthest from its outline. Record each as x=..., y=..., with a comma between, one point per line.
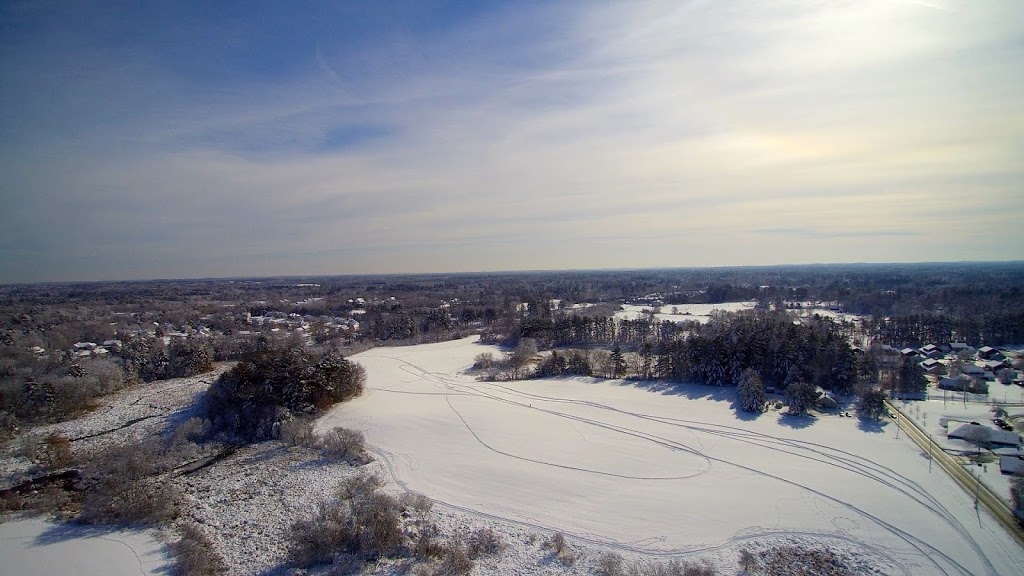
x=926, y=550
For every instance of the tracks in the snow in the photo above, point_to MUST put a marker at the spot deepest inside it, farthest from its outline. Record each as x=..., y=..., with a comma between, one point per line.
x=819, y=453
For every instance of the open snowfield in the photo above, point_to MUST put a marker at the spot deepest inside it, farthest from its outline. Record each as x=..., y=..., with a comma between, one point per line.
x=684, y=312
x=663, y=472
x=33, y=546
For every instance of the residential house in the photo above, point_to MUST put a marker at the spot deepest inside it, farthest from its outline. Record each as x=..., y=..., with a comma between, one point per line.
x=931, y=351
x=995, y=437
x=933, y=366
x=990, y=353
x=993, y=366
x=1011, y=465
x=975, y=371
x=961, y=383
x=957, y=347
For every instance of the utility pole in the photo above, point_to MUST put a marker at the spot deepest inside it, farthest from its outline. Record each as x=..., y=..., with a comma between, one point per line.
x=930, y=454
x=977, y=488
x=897, y=421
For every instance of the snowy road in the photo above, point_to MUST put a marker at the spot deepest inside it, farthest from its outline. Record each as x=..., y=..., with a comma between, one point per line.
x=674, y=473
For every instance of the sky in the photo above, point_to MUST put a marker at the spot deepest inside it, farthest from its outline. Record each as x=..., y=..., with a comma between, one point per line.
x=170, y=139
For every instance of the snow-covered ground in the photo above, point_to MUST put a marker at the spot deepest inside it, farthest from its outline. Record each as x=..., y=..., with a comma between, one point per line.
x=936, y=417
x=681, y=312
x=675, y=471
x=34, y=546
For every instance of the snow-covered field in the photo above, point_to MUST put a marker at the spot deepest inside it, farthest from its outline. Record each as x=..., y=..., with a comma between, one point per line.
x=33, y=546
x=682, y=312
x=675, y=472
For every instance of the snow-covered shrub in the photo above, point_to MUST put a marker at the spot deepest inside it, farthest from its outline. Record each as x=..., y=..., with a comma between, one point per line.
x=360, y=520
x=610, y=564
x=416, y=501
x=193, y=430
x=484, y=540
x=343, y=444
x=748, y=561
x=558, y=544
x=297, y=432
x=455, y=561
x=484, y=360
x=57, y=451
x=194, y=554
x=121, y=488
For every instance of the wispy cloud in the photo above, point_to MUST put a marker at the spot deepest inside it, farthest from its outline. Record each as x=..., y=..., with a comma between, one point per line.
x=537, y=135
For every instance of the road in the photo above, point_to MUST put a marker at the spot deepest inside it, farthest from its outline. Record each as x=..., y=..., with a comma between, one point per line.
x=969, y=483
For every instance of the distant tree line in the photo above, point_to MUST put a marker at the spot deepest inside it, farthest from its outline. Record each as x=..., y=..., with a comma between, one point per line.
x=977, y=329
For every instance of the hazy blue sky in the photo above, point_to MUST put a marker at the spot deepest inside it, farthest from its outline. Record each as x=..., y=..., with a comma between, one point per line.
x=171, y=139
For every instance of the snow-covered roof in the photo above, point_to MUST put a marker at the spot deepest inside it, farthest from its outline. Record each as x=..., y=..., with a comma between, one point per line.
x=1011, y=465
x=995, y=436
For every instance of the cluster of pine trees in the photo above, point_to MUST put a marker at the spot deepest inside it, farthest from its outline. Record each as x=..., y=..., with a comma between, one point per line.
x=276, y=381
x=148, y=359
x=779, y=350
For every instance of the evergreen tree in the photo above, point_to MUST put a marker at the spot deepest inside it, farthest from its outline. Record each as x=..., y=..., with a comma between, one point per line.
x=618, y=362
x=911, y=378
x=750, y=391
x=800, y=396
x=872, y=404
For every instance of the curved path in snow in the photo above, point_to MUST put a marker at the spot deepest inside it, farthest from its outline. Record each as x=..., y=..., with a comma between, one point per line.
x=659, y=474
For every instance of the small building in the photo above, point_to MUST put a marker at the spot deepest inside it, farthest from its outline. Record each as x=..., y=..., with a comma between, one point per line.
x=990, y=353
x=975, y=371
x=80, y=346
x=1011, y=465
x=962, y=383
x=908, y=353
x=932, y=351
x=956, y=347
x=993, y=366
x=995, y=437
x=933, y=366
x=825, y=400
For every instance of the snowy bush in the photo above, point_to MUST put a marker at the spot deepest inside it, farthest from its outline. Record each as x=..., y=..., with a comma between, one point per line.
x=342, y=444
x=561, y=549
x=484, y=540
x=194, y=554
x=120, y=487
x=360, y=520
x=56, y=451
x=297, y=432
x=456, y=561
x=610, y=564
